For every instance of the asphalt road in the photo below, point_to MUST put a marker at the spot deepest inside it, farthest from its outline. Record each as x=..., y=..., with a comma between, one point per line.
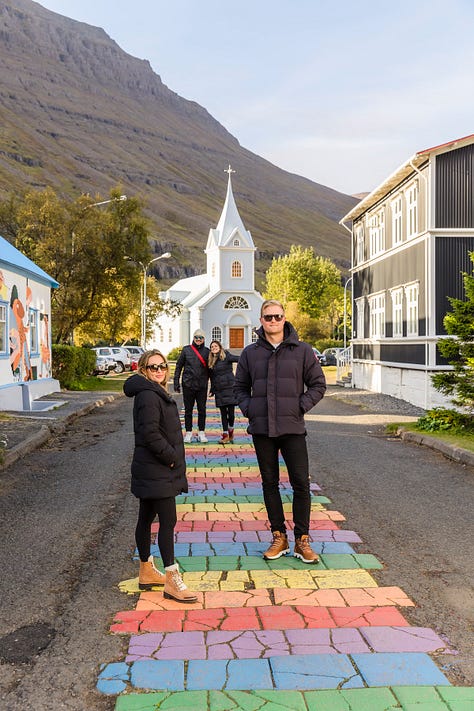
x=67, y=521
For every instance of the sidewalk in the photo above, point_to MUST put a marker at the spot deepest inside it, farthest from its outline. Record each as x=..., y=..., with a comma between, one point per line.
x=23, y=432
x=277, y=634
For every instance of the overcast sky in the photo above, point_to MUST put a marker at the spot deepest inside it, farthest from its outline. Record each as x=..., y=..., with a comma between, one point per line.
x=341, y=92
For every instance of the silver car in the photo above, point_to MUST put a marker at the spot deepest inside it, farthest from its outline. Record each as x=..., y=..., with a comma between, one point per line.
x=118, y=354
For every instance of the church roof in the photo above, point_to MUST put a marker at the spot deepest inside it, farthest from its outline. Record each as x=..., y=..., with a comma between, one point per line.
x=230, y=220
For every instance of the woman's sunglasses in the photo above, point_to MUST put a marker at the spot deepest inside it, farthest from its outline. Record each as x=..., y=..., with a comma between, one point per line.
x=269, y=317
x=155, y=368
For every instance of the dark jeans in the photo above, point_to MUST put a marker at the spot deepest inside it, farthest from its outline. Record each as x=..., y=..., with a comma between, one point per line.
x=165, y=509
x=227, y=416
x=189, y=398
x=295, y=455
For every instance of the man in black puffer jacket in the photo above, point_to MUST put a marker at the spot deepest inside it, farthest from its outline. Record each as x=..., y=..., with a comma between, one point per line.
x=278, y=379
x=193, y=362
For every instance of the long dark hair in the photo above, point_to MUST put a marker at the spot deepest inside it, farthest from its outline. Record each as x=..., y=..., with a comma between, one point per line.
x=213, y=358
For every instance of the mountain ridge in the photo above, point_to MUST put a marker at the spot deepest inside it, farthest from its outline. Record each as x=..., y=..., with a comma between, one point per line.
x=82, y=115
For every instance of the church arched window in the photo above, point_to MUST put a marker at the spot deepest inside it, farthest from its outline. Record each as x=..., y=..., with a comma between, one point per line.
x=236, y=270
x=236, y=302
x=216, y=334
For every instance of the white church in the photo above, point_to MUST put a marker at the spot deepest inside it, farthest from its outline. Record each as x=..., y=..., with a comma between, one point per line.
x=222, y=301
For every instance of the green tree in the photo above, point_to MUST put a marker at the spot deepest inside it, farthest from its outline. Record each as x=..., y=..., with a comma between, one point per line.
x=83, y=246
x=313, y=282
x=459, y=349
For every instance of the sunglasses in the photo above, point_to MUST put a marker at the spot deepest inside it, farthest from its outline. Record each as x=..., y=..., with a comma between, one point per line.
x=198, y=338
x=155, y=368
x=276, y=317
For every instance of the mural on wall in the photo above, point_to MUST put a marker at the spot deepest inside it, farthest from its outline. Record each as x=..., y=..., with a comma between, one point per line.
x=21, y=338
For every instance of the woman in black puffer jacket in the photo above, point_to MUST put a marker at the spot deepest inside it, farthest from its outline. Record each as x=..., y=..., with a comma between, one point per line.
x=221, y=375
x=158, y=471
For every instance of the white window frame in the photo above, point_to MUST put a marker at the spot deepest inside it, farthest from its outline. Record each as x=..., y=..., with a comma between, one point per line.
x=377, y=315
x=360, y=306
x=33, y=329
x=397, y=312
x=236, y=271
x=412, y=308
x=377, y=232
x=359, y=239
x=3, y=328
x=216, y=334
x=397, y=220
x=411, y=198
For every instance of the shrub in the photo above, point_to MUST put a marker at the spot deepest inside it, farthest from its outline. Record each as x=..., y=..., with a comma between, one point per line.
x=70, y=364
x=441, y=420
x=174, y=353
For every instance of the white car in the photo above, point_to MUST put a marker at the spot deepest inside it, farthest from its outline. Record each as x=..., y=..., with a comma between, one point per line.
x=103, y=365
x=120, y=355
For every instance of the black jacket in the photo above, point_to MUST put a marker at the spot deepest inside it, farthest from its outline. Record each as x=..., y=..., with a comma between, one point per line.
x=195, y=375
x=222, y=380
x=158, y=465
x=275, y=387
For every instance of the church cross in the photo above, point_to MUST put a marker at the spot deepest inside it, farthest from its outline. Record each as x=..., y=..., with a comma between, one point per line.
x=229, y=170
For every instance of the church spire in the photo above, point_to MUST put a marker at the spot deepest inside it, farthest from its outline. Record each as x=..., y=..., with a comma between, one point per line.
x=230, y=220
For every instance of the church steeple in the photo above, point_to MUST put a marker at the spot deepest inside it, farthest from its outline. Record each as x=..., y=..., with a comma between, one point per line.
x=230, y=221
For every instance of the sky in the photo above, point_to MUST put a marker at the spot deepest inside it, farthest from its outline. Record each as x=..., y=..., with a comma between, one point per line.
x=339, y=91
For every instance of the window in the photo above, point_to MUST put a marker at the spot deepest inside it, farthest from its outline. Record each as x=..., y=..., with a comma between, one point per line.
x=236, y=243
x=254, y=335
x=33, y=321
x=236, y=270
x=412, y=209
x=216, y=334
x=377, y=233
x=397, y=312
x=360, y=306
x=397, y=224
x=411, y=294
x=213, y=269
x=377, y=316
x=162, y=335
x=360, y=251
x=3, y=328
x=170, y=335
x=236, y=302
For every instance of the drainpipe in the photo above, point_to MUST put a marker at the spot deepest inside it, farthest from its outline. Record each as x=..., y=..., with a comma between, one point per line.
x=428, y=284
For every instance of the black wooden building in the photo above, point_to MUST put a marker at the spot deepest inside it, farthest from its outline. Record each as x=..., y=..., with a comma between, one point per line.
x=411, y=239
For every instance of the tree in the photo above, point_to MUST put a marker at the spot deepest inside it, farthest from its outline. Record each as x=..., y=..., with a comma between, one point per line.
x=83, y=247
x=313, y=282
x=459, y=349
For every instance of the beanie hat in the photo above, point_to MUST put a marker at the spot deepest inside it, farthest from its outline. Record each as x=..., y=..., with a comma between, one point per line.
x=198, y=332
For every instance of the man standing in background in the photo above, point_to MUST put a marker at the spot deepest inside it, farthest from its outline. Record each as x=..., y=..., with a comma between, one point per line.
x=193, y=362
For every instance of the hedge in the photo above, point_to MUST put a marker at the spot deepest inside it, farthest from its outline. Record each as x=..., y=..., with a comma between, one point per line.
x=71, y=363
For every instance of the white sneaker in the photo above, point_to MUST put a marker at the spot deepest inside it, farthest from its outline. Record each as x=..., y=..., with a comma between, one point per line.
x=202, y=437
x=188, y=437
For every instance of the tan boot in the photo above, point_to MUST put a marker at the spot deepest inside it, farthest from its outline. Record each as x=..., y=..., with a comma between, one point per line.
x=224, y=439
x=303, y=550
x=278, y=547
x=175, y=589
x=149, y=576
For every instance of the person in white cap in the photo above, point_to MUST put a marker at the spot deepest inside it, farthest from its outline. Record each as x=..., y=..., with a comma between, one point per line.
x=192, y=362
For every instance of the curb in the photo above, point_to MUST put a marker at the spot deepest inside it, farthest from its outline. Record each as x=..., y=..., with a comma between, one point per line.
x=47, y=431
x=457, y=454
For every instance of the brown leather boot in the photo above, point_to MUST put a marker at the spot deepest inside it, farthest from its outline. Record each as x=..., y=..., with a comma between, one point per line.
x=175, y=589
x=224, y=439
x=278, y=547
x=303, y=550
x=149, y=576
x=231, y=435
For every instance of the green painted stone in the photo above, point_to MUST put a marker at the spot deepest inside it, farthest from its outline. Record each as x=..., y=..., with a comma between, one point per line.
x=339, y=561
x=140, y=702
x=185, y=700
x=272, y=700
x=368, y=561
x=223, y=562
x=188, y=564
x=379, y=699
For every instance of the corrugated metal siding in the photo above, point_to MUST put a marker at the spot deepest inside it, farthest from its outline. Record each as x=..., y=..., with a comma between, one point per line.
x=455, y=189
x=452, y=258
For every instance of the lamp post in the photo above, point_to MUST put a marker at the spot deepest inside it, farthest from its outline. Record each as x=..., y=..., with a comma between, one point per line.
x=105, y=202
x=345, y=311
x=144, y=267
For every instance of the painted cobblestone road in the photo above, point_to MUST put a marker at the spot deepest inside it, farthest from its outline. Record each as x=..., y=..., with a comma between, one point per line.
x=271, y=635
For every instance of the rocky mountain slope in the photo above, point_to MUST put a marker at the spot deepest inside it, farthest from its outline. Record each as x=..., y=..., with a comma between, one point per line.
x=80, y=114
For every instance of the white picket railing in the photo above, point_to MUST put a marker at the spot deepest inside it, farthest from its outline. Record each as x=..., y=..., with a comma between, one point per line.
x=343, y=363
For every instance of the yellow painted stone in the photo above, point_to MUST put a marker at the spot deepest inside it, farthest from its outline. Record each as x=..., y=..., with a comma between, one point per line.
x=184, y=507
x=130, y=586
x=343, y=579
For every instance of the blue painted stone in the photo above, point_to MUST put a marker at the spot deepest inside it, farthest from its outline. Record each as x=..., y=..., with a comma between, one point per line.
x=155, y=674
x=394, y=668
x=315, y=671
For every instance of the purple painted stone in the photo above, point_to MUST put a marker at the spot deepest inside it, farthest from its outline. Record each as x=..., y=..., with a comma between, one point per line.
x=403, y=639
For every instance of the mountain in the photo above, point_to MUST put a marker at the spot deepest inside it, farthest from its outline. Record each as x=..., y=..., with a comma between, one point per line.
x=80, y=114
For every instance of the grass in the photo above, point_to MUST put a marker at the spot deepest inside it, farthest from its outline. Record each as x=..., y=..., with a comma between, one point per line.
x=458, y=439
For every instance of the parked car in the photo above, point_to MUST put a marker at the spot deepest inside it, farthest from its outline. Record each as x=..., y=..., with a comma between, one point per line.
x=330, y=355
x=103, y=365
x=318, y=355
x=119, y=355
x=135, y=353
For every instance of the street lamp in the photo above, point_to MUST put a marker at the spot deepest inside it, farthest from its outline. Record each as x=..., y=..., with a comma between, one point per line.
x=105, y=202
x=144, y=267
x=345, y=310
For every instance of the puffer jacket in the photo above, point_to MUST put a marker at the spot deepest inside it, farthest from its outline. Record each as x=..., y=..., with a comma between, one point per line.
x=274, y=387
x=222, y=380
x=195, y=375
x=158, y=464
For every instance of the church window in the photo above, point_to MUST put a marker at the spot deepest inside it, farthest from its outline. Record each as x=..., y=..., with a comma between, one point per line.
x=236, y=243
x=216, y=334
x=162, y=335
x=170, y=334
x=236, y=302
x=213, y=269
x=254, y=335
x=236, y=270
